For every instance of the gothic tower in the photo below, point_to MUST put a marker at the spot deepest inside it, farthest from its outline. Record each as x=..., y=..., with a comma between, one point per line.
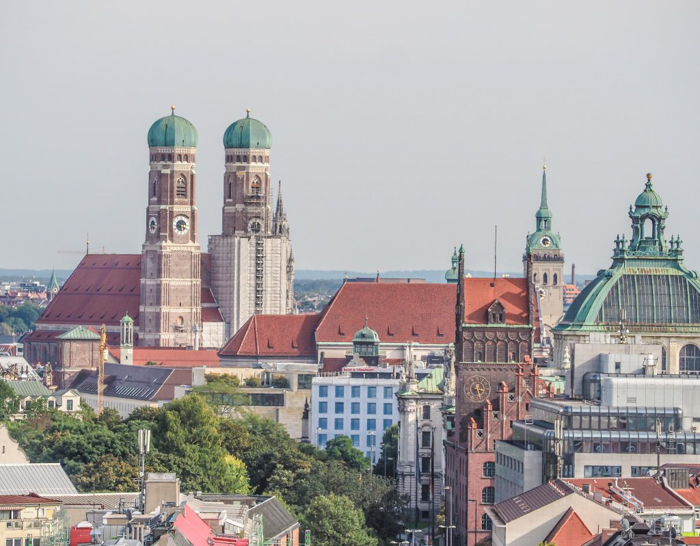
x=252, y=262
x=544, y=255
x=170, y=309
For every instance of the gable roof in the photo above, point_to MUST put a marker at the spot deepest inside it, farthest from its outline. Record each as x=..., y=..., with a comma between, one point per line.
x=31, y=498
x=570, y=530
x=274, y=335
x=134, y=382
x=28, y=388
x=275, y=517
x=481, y=293
x=534, y=499
x=398, y=312
x=40, y=478
x=651, y=493
x=80, y=332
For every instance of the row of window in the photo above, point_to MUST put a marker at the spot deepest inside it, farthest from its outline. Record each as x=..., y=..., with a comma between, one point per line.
x=244, y=159
x=339, y=423
x=602, y=471
x=169, y=157
x=545, y=279
x=355, y=408
x=355, y=392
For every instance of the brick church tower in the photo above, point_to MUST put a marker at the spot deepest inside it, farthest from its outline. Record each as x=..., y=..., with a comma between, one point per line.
x=170, y=307
x=252, y=267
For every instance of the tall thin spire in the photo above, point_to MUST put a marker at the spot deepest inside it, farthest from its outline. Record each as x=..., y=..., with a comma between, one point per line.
x=543, y=201
x=544, y=215
x=280, y=219
x=280, y=206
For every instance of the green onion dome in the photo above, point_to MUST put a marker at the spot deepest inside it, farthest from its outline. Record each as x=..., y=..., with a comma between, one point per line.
x=248, y=133
x=172, y=130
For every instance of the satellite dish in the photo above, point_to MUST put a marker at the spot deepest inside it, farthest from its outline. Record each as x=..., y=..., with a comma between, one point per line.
x=625, y=524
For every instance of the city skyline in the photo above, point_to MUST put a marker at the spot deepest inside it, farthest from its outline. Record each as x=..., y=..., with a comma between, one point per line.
x=454, y=111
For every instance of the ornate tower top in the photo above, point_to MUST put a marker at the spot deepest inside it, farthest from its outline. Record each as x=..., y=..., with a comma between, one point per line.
x=279, y=223
x=248, y=133
x=543, y=238
x=171, y=131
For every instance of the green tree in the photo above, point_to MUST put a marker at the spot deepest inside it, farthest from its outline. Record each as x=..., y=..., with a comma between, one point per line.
x=222, y=396
x=390, y=452
x=334, y=521
x=340, y=448
x=9, y=403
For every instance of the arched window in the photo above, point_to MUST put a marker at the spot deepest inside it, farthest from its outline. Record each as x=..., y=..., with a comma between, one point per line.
x=255, y=186
x=245, y=159
x=690, y=359
x=488, y=495
x=162, y=157
x=187, y=158
x=489, y=469
x=555, y=279
x=230, y=189
x=253, y=159
x=238, y=159
x=170, y=157
x=544, y=278
x=663, y=359
x=179, y=157
x=486, y=524
x=155, y=187
x=534, y=278
x=648, y=229
x=181, y=190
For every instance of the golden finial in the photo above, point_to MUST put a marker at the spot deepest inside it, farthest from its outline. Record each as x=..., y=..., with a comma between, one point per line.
x=649, y=176
x=172, y=107
x=544, y=163
x=247, y=112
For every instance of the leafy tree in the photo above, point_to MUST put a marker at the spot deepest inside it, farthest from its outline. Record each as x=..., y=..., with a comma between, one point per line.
x=252, y=382
x=222, y=396
x=334, y=521
x=229, y=379
x=340, y=448
x=9, y=403
x=280, y=382
x=108, y=473
x=390, y=450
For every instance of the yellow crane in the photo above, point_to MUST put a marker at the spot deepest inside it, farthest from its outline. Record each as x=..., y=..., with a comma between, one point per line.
x=101, y=371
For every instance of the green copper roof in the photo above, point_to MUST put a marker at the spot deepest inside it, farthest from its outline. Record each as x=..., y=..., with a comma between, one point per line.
x=543, y=238
x=452, y=275
x=248, y=133
x=366, y=335
x=430, y=384
x=647, y=287
x=28, y=388
x=649, y=198
x=53, y=282
x=79, y=332
x=126, y=318
x=173, y=130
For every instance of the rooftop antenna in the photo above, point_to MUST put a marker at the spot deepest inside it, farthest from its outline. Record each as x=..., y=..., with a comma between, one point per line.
x=495, y=250
x=87, y=243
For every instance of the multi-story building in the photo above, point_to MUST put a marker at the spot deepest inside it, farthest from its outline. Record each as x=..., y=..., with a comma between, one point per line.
x=30, y=520
x=177, y=295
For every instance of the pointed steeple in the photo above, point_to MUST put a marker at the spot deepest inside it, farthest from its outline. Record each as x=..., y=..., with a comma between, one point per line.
x=53, y=288
x=544, y=215
x=280, y=219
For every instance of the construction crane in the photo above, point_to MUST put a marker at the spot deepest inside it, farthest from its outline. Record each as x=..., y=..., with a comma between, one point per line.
x=101, y=371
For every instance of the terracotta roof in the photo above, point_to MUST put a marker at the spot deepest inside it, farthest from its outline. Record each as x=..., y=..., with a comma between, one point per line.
x=570, y=530
x=31, y=498
x=44, y=335
x=171, y=357
x=650, y=492
x=534, y=499
x=691, y=494
x=274, y=335
x=104, y=287
x=398, y=312
x=333, y=365
x=480, y=293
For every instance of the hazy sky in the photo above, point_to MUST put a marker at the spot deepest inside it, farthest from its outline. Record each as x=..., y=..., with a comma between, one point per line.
x=400, y=128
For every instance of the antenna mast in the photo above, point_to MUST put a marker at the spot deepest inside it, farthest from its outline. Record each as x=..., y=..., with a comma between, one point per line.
x=101, y=371
x=495, y=250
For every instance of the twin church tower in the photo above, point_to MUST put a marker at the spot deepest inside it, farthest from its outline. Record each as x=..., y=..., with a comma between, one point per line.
x=249, y=267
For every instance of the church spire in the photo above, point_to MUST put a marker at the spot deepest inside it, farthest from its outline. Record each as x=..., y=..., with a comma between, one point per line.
x=544, y=215
x=543, y=200
x=280, y=219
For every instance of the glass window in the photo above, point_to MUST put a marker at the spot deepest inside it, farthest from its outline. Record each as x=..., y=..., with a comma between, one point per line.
x=486, y=524
x=339, y=423
x=371, y=408
x=425, y=465
x=371, y=424
x=690, y=359
x=387, y=423
x=489, y=469
x=602, y=471
x=322, y=439
x=323, y=423
x=340, y=407
x=355, y=408
x=323, y=391
x=355, y=392
x=304, y=381
x=388, y=409
x=340, y=392
x=371, y=440
x=488, y=495
x=355, y=440
x=425, y=492
x=388, y=392
x=354, y=424
x=323, y=407
x=371, y=392
x=425, y=438
x=426, y=412
x=69, y=405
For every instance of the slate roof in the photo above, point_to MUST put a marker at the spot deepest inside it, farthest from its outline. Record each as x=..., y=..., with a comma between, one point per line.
x=134, y=382
x=274, y=335
x=39, y=478
x=28, y=388
x=534, y=499
x=276, y=519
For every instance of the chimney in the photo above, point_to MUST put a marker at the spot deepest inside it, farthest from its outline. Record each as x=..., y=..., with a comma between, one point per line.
x=587, y=488
x=573, y=274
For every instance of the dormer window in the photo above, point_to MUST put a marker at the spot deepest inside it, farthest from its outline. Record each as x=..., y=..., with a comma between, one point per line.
x=496, y=313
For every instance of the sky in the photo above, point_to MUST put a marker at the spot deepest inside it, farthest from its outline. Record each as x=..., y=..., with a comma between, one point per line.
x=400, y=128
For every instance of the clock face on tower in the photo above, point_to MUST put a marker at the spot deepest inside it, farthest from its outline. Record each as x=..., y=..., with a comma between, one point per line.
x=545, y=241
x=152, y=224
x=181, y=225
x=477, y=388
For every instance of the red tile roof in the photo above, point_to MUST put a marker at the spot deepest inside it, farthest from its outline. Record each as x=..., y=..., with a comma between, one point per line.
x=104, y=287
x=480, y=293
x=398, y=312
x=650, y=492
x=333, y=365
x=100, y=291
x=570, y=531
x=31, y=498
x=274, y=335
x=172, y=357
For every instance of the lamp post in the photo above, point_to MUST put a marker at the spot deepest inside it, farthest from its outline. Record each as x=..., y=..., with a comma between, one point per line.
x=393, y=468
x=371, y=448
x=413, y=535
x=448, y=514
